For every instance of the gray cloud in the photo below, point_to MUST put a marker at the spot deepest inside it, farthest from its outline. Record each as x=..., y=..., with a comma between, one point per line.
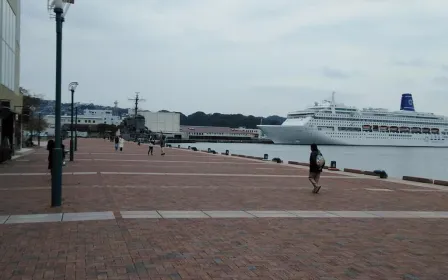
x=254, y=56
x=411, y=63
x=442, y=80
x=334, y=73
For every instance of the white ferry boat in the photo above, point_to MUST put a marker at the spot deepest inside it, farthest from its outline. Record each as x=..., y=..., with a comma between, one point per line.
x=328, y=123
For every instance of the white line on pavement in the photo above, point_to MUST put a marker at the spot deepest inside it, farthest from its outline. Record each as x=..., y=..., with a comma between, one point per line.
x=219, y=214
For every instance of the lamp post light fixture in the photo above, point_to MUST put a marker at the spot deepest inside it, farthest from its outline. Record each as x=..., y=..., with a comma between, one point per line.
x=72, y=87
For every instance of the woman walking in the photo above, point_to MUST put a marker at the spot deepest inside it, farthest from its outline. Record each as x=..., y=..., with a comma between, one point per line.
x=116, y=141
x=121, y=143
x=162, y=144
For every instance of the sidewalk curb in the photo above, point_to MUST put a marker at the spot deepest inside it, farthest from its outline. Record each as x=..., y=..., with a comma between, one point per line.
x=26, y=153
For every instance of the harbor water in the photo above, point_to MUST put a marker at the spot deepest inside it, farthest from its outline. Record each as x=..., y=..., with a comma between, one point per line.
x=429, y=163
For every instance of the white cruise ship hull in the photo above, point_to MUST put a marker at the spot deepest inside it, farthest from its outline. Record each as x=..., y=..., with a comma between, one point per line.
x=305, y=135
x=337, y=124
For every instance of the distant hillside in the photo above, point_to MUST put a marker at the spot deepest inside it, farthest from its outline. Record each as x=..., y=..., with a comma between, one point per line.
x=195, y=119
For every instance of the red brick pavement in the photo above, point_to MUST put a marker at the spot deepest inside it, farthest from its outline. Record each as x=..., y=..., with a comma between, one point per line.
x=214, y=248
x=226, y=249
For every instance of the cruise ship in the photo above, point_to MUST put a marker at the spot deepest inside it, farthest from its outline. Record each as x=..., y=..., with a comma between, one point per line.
x=329, y=123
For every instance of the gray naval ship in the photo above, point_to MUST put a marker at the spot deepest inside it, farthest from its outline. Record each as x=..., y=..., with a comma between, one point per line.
x=134, y=129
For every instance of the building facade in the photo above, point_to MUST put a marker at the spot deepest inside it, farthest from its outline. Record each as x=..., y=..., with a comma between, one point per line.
x=10, y=97
x=89, y=118
x=106, y=115
x=66, y=120
x=166, y=122
x=219, y=133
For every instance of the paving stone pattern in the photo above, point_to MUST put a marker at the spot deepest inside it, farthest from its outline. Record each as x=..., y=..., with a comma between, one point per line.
x=135, y=245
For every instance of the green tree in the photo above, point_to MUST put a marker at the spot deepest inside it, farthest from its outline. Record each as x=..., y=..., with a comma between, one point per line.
x=31, y=118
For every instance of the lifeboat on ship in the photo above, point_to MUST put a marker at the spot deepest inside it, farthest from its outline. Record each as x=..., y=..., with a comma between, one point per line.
x=434, y=130
x=416, y=130
x=366, y=127
x=384, y=128
x=393, y=129
x=426, y=130
x=405, y=129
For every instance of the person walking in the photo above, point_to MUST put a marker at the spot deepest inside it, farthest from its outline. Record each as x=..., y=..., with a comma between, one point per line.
x=151, y=146
x=121, y=143
x=117, y=140
x=317, y=163
x=162, y=144
x=50, y=146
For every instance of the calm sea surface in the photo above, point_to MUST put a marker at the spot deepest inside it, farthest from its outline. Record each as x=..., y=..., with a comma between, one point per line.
x=422, y=162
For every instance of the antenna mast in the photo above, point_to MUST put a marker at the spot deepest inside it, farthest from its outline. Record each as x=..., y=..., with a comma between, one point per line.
x=136, y=100
x=333, y=103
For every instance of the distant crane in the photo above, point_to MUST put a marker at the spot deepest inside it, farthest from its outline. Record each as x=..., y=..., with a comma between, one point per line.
x=136, y=99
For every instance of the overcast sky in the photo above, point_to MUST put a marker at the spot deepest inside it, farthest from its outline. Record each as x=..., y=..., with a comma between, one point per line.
x=259, y=57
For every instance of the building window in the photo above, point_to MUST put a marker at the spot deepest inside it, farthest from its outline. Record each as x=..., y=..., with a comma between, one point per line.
x=8, y=45
x=93, y=121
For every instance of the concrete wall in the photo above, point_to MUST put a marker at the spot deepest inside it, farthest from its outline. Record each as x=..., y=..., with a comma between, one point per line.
x=159, y=121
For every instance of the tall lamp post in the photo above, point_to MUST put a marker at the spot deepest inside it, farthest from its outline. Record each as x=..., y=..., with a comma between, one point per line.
x=72, y=87
x=56, y=170
x=76, y=129
x=31, y=115
x=21, y=125
x=39, y=130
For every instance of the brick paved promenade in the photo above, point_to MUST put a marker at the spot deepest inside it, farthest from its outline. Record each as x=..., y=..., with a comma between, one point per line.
x=236, y=219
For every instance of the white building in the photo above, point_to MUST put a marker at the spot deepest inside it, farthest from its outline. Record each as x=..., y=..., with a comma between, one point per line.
x=106, y=115
x=50, y=119
x=219, y=133
x=166, y=122
x=89, y=117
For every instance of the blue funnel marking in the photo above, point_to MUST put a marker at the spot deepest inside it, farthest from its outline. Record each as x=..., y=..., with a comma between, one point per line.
x=407, y=103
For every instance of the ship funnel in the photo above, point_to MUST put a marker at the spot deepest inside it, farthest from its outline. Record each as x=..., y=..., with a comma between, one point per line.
x=407, y=103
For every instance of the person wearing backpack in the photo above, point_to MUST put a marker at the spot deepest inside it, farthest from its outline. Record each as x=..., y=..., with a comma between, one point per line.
x=151, y=146
x=317, y=163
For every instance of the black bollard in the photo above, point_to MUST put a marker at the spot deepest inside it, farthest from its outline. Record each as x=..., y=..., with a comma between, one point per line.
x=227, y=152
x=333, y=164
x=266, y=157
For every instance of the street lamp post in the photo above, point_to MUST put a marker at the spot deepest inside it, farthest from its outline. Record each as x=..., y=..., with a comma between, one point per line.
x=56, y=170
x=39, y=130
x=76, y=129
x=31, y=116
x=72, y=87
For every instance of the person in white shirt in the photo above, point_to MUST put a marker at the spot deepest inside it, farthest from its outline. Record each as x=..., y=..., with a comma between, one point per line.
x=121, y=143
